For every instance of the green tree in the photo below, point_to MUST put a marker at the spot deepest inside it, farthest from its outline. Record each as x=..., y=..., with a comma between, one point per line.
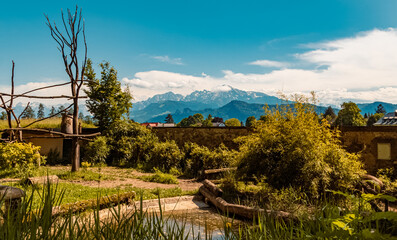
x=374, y=118
x=107, y=101
x=3, y=116
x=60, y=109
x=380, y=109
x=40, y=112
x=293, y=148
x=350, y=115
x=233, y=122
x=329, y=114
x=250, y=122
x=208, y=122
x=169, y=119
x=28, y=113
x=81, y=116
x=195, y=120
x=52, y=111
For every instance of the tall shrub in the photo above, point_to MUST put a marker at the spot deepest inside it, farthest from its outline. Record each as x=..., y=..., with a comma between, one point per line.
x=290, y=147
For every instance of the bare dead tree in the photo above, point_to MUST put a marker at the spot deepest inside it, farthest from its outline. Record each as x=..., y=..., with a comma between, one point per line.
x=14, y=135
x=68, y=42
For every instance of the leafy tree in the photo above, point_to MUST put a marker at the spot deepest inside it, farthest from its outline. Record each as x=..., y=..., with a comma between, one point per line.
x=374, y=118
x=233, y=122
x=195, y=120
x=169, y=119
x=293, y=148
x=3, y=116
x=88, y=119
x=29, y=113
x=81, y=116
x=107, y=101
x=217, y=120
x=380, y=109
x=52, y=111
x=40, y=112
x=350, y=115
x=208, y=122
x=61, y=108
x=250, y=122
x=199, y=117
x=365, y=115
x=329, y=114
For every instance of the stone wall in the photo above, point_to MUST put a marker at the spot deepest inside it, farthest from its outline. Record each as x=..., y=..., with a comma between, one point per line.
x=366, y=140
x=210, y=137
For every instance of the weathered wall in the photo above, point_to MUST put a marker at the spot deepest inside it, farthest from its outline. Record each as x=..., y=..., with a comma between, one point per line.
x=364, y=140
x=210, y=137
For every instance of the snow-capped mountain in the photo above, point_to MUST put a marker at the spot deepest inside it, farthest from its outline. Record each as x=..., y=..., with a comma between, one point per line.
x=213, y=99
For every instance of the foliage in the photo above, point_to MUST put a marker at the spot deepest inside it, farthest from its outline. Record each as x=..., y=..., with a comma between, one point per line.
x=233, y=122
x=374, y=118
x=292, y=148
x=195, y=120
x=3, y=115
x=21, y=157
x=52, y=111
x=54, y=157
x=169, y=119
x=40, y=111
x=130, y=143
x=160, y=177
x=107, y=101
x=250, y=122
x=329, y=115
x=28, y=113
x=96, y=151
x=350, y=115
x=199, y=158
x=380, y=109
x=164, y=155
x=208, y=121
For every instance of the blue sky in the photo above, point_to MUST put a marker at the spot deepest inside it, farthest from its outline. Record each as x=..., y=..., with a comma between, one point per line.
x=332, y=47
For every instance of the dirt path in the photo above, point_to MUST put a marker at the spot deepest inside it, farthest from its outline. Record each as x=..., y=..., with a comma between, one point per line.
x=184, y=184
x=127, y=177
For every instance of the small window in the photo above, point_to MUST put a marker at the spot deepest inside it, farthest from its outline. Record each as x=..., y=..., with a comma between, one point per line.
x=384, y=151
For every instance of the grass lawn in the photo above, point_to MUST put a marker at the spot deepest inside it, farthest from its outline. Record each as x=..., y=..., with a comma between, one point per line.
x=75, y=192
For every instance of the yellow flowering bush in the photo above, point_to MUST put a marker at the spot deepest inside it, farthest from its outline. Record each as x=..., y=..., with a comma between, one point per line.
x=19, y=156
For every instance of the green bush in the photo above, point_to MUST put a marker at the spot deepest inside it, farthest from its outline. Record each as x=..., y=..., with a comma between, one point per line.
x=130, y=143
x=21, y=157
x=199, y=158
x=96, y=151
x=290, y=147
x=165, y=155
x=160, y=177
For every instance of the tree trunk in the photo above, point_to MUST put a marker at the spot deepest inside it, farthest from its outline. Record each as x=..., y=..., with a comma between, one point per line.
x=75, y=140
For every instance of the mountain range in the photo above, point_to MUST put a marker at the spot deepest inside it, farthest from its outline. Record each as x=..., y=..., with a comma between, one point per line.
x=232, y=103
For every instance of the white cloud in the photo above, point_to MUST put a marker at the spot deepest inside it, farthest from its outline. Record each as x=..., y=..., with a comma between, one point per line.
x=56, y=91
x=166, y=59
x=269, y=63
x=362, y=68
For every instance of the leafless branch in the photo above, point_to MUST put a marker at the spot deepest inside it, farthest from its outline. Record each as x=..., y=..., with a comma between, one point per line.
x=40, y=97
x=24, y=110
x=51, y=132
x=64, y=110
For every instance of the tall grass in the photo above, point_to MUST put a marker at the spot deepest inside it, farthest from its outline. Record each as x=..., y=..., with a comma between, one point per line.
x=329, y=222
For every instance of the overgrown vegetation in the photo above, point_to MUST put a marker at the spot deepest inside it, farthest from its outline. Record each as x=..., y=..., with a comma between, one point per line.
x=290, y=147
x=20, y=158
